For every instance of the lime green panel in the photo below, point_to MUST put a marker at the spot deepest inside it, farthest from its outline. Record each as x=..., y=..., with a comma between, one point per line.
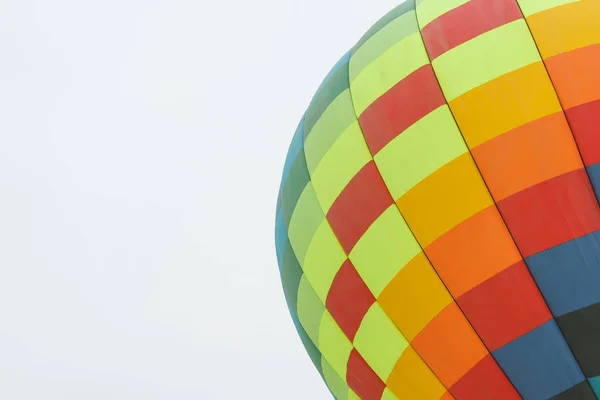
x=352, y=395
x=428, y=10
x=388, y=395
x=387, y=70
x=334, y=121
x=310, y=310
x=386, y=247
x=379, y=342
x=305, y=220
x=334, y=344
x=323, y=260
x=336, y=384
x=394, y=32
x=402, y=8
x=485, y=58
x=419, y=151
x=530, y=7
x=339, y=165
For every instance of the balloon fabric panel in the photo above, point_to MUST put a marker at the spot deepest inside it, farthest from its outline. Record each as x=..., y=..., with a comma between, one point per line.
x=438, y=227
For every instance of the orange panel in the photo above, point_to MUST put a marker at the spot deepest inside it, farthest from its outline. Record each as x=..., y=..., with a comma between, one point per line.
x=528, y=155
x=449, y=345
x=576, y=75
x=473, y=252
x=447, y=396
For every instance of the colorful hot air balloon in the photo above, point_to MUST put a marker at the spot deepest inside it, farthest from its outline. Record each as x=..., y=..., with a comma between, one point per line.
x=438, y=224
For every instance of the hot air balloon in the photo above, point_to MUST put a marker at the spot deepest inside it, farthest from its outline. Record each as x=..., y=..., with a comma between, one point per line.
x=438, y=224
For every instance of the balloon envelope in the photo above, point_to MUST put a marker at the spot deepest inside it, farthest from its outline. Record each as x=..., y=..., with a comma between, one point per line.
x=438, y=226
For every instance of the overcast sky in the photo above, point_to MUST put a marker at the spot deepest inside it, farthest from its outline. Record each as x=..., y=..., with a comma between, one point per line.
x=141, y=147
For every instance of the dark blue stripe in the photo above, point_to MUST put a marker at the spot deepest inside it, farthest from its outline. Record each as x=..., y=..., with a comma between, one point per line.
x=569, y=274
x=539, y=364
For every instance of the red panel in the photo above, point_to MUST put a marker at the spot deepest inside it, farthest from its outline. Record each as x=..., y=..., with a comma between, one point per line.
x=505, y=307
x=362, y=379
x=407, y=102
x=552, y=212
x=349, y=299
x=466, y=22
x=484, y=381
x=361, y=202
x=585, y=124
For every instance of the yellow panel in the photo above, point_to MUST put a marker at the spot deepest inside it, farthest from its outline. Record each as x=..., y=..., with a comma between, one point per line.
x=379, y=342
x=383, y=250
x=387, y=70
x=428, y=10
x=339, y=165
x=416, y=153
x=505, y=103
x=414, y=297
x=323, y=260
x=334, y=345
x=484, y=58
x=530, y=7
x=570, y=27
x=444, y=199
x=412, y=379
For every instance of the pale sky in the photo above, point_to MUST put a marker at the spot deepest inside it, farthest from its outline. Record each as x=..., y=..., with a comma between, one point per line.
x=141, y=148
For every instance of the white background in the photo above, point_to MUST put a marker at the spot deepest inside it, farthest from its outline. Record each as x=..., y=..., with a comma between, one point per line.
x=141, y=147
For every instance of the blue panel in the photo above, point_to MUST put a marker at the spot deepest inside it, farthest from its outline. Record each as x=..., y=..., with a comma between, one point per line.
x=540, y=364
x=595, y=383
x=281, y=236
x=569, y=274
x=297, y=324
x=295, y=147
x=594, y=174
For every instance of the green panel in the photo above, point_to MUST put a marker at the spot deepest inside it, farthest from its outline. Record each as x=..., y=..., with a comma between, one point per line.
x=352, y=395
x=401, y=9
x=429, y=10
x=291, y=272
x=485, y=58
x=334, y=121
x=323, y=260
x=379, y=342
x=342, y=162
x=294, y=186
x=310, y=310
x=312, y=350
x=394, y=32
x=334, y=344
x=306, y=219
x=336, y=384
x=388, y=395
x=398, y=62
x=386, y=247
x=329, y=92
x=422, y=149
x=530, y=7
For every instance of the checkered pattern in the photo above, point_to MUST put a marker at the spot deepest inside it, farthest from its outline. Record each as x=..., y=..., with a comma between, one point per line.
x=438, y=226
